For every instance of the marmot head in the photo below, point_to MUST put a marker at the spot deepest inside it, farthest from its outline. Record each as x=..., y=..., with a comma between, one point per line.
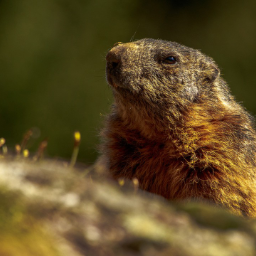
x=159, y=81
x=156, y=69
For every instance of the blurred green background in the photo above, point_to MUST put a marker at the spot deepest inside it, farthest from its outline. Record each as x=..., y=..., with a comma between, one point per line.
x=52, y=59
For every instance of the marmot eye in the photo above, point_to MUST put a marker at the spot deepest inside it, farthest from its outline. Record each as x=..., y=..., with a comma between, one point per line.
x=170, y=60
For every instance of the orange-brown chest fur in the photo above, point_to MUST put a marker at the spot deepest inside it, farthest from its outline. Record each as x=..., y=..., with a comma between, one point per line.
x=209, y=155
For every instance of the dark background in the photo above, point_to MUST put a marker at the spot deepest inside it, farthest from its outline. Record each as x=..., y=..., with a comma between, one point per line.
x=52, y=59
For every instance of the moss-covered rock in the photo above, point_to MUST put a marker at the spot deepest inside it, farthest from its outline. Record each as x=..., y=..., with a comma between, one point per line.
x=50, y=209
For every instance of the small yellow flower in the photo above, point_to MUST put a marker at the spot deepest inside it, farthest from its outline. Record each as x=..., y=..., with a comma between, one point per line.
x=2, y=141
x=121, y=182
x=77, y=136
x=25, y=153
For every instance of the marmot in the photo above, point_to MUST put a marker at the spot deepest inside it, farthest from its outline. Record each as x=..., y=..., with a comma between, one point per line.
x=176, y=128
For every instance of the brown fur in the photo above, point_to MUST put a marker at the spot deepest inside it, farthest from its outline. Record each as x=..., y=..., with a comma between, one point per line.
x=176, y=128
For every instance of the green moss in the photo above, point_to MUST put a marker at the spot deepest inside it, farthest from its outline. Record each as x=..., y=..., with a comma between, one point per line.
x=213, y=216
x=20, y=233
x=34, y=242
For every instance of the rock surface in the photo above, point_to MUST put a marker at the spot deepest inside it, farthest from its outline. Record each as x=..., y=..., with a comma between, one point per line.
x=50, y=209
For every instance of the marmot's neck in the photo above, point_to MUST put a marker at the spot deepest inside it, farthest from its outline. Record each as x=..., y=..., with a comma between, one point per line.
x=153, y=121
x=180, y=122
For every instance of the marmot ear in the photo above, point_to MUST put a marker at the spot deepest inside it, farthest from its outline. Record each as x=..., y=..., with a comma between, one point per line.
x=212, y=74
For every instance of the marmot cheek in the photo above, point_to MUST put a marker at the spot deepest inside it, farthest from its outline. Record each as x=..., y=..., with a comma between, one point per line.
x=190, y=92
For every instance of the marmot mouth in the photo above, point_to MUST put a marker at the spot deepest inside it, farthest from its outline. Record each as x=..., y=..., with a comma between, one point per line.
x=115, y=78
x=111, y=75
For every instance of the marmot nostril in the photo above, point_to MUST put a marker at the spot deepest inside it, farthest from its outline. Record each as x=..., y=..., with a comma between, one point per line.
x=112, y=57
x=114, y=64
x=115, y=55
x=113, y=60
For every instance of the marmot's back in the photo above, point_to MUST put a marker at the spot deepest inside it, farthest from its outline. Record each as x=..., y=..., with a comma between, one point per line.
x=175, y=127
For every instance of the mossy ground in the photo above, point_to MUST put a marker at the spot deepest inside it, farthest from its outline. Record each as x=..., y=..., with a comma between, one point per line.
x=20, y=232
x=48, y=208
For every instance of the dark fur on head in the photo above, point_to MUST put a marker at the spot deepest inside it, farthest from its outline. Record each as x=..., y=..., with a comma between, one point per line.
x=175, y=127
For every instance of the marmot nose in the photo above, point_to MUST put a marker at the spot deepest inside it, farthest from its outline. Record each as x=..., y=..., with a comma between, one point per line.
x=114, y=56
